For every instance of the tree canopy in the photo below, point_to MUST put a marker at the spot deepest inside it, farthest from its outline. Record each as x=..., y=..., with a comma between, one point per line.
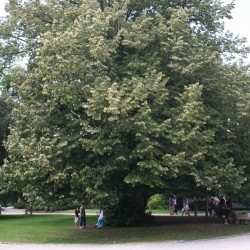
x=123, y=98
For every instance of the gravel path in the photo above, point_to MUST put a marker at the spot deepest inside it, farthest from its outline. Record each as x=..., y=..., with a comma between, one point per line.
x=241, y=242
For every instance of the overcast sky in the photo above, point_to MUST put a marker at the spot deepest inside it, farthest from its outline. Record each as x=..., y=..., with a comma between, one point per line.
x=241, y=18
x=239, y=25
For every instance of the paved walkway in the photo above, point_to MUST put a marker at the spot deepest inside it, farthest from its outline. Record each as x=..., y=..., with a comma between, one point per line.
x=11, y=210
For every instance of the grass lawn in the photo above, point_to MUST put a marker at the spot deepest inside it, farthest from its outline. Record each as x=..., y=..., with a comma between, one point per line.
x=61, y=229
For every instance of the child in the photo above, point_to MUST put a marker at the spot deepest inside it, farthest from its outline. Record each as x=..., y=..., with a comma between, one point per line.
x=100, y=221
x=76, y=217
x=185, y=208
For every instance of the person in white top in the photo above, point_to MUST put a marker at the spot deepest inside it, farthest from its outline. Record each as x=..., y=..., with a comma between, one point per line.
x=100, y=221
x=185, y=209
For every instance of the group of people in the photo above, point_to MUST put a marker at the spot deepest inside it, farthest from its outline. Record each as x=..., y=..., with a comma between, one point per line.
x=82, y=213
x=221, y=207
x=172, y=205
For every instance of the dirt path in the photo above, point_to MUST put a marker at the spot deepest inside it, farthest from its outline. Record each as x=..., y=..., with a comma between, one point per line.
x=241, y=242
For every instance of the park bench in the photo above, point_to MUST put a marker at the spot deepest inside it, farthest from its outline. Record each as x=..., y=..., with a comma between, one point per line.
x=242, y=218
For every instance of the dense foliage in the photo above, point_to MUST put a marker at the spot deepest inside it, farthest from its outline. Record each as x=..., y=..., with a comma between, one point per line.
x=157, y=201
x=122, y=99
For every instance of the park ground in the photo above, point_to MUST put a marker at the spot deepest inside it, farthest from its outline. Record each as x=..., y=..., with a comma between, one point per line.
x=165, y=226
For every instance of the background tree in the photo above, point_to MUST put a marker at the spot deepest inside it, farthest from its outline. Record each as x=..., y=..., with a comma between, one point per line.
x=122, y=99
x=8, y=97
x=4, y=118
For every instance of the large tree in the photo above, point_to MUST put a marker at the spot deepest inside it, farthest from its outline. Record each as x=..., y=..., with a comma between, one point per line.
x=122, y=98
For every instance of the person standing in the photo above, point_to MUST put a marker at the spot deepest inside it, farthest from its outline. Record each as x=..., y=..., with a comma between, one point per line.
x=212, y=206
x=82, y=216
x=171, y=205
x=175, y=205
x=223, y=210
x=185, y=208
x=76, y=218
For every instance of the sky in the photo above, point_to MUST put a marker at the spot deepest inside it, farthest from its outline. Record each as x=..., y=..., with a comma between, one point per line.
x=239, y=25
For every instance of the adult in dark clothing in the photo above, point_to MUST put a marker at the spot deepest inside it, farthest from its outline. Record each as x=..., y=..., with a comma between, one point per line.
x=223, y=210
x=82, y=216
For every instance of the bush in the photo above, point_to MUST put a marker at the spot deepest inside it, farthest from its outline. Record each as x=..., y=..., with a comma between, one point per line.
x=157, y=201
x=19, y=205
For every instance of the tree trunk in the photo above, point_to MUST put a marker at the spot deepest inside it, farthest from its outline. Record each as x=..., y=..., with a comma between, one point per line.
x=137, y=203
x=195, y=207
x=31, y=209
x=130, y=210
x=206, y=206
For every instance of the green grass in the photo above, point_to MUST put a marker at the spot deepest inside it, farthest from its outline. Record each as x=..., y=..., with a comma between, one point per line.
x=61, y=229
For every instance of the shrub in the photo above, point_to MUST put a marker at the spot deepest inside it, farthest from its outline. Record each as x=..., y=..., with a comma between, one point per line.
x=157, y=201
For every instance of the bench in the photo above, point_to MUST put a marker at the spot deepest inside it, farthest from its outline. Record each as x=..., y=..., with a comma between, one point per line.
x=242, y=218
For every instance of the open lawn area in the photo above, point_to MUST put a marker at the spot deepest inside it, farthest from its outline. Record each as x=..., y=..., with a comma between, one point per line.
x=61, y=229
